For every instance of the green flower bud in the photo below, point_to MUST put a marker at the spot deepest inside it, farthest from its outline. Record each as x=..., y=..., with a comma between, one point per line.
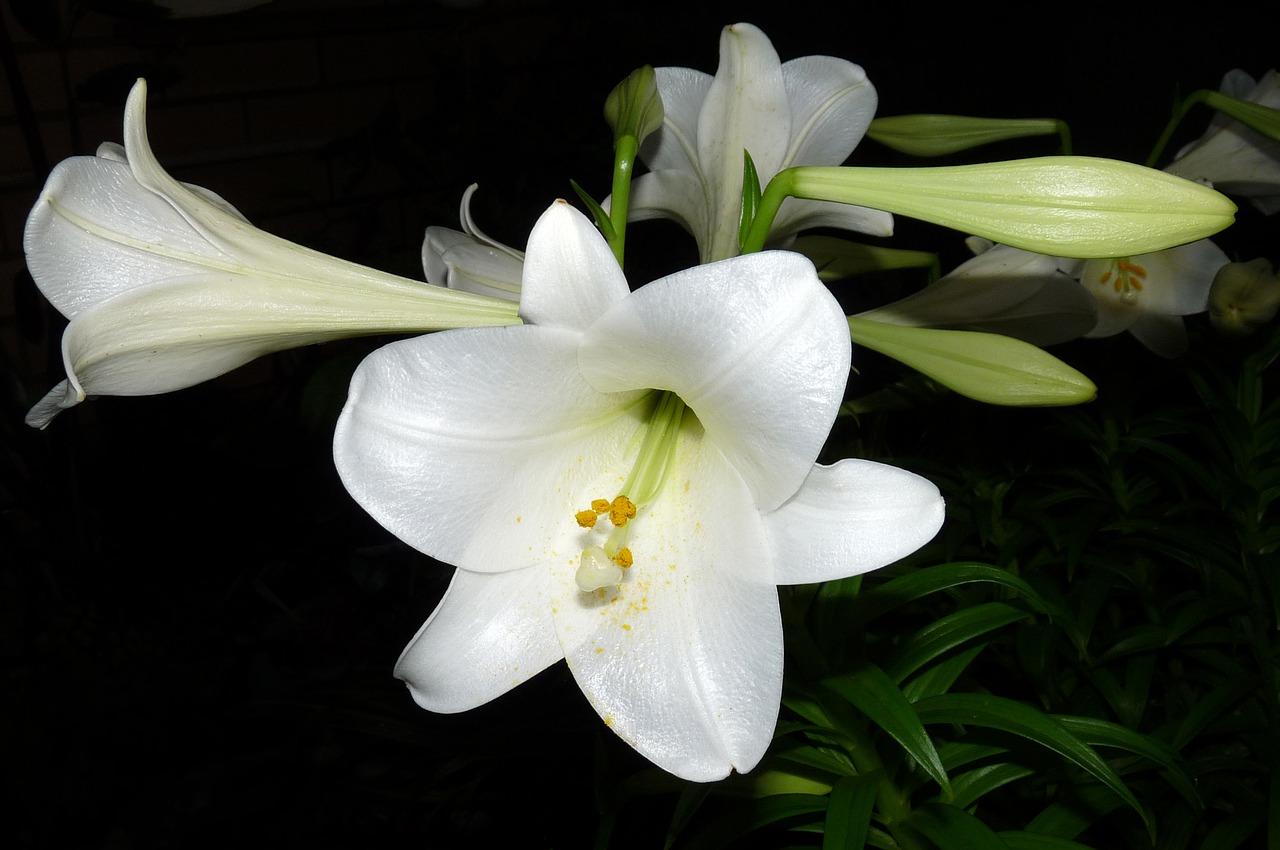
x=1068, y=206
x=1244, y=296
x=937, y=135
x=634, y=107
x=985, y=367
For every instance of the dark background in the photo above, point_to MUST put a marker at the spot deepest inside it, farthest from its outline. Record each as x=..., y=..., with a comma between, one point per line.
x=197, y=624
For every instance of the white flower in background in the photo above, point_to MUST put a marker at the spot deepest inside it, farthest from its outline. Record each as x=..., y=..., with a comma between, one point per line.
x=1146, y=294
x=1001, y=290
x=1233, y=158
x=1149, y=294
x=808, y=111
x=471, y=261
x=166, y=285
x=622, y=483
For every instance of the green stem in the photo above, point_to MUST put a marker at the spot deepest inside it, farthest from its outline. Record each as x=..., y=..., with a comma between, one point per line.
x=1178, y=115
x=779, y=189
x=624, y=161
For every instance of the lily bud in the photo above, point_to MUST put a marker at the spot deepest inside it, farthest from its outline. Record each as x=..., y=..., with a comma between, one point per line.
x=938, y=135
x=634, y=107
x=1244, y=296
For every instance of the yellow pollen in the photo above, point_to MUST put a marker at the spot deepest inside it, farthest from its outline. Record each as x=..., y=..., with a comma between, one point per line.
x=623, y=558
x=599, y=505
x=622, y=510
x=586, y=519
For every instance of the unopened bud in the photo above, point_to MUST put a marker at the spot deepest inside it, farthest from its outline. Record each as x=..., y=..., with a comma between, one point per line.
x=1244, y=296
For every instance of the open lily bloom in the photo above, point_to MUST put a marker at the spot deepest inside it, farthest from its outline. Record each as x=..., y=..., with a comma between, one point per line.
x=166, y=285
x=808, y=111
x=1149, y=294
x=1001, y=290
x=1233, y=158
x=622, y=482
x=471, y=261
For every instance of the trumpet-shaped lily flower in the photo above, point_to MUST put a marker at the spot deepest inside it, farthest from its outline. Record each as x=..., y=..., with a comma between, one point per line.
x=809, y=111
x=622, y=482
x=1149, y=294
x=1146, y=294
x=167, y=285
x=1233, y=158
x=471, y=261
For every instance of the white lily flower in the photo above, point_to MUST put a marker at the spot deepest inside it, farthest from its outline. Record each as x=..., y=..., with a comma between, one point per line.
x=809, y=111
x=166, y=285
x=471, y=261
x=1001, y=290
x=1149, y=294
x=1233, y=158
x=622, y=482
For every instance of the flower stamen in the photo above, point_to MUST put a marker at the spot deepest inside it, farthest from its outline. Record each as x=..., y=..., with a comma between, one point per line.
x=605, y=562
x=1128, y=279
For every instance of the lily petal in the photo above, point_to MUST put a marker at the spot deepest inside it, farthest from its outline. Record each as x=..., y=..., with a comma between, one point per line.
x=672, y=195
x=454, y=259
x=832, y=104
x=1163, y=335
x=1002, y=290
x=798, y=214
x=683, y=660
x=850, y=518
x=766, y=389
x=442, y=433
x=746, y=109
x=570, y=274
x=683, y=91
x=489, y=633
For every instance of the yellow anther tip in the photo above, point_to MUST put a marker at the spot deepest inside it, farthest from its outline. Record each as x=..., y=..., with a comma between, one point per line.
x=621, y=510
x=600, y=505
x=623, y=558
x=586, y=519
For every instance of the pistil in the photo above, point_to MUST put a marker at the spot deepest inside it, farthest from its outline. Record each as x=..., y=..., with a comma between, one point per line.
x=603, y=565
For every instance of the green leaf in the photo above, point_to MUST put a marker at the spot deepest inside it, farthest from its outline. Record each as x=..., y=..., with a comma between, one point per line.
x=1019, y=719
x=940, y=676
x=975, y=784
x=750, y=196
x=597, y=212
x=951, y=828
x=1211, y=706
x=849, y=813
x=691, y=798
x=985, y=367
x=1264, y=119
x=1101, y=733
x=919, y=583
x=1036, y=841
x=933, y=641
x=874, y=694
